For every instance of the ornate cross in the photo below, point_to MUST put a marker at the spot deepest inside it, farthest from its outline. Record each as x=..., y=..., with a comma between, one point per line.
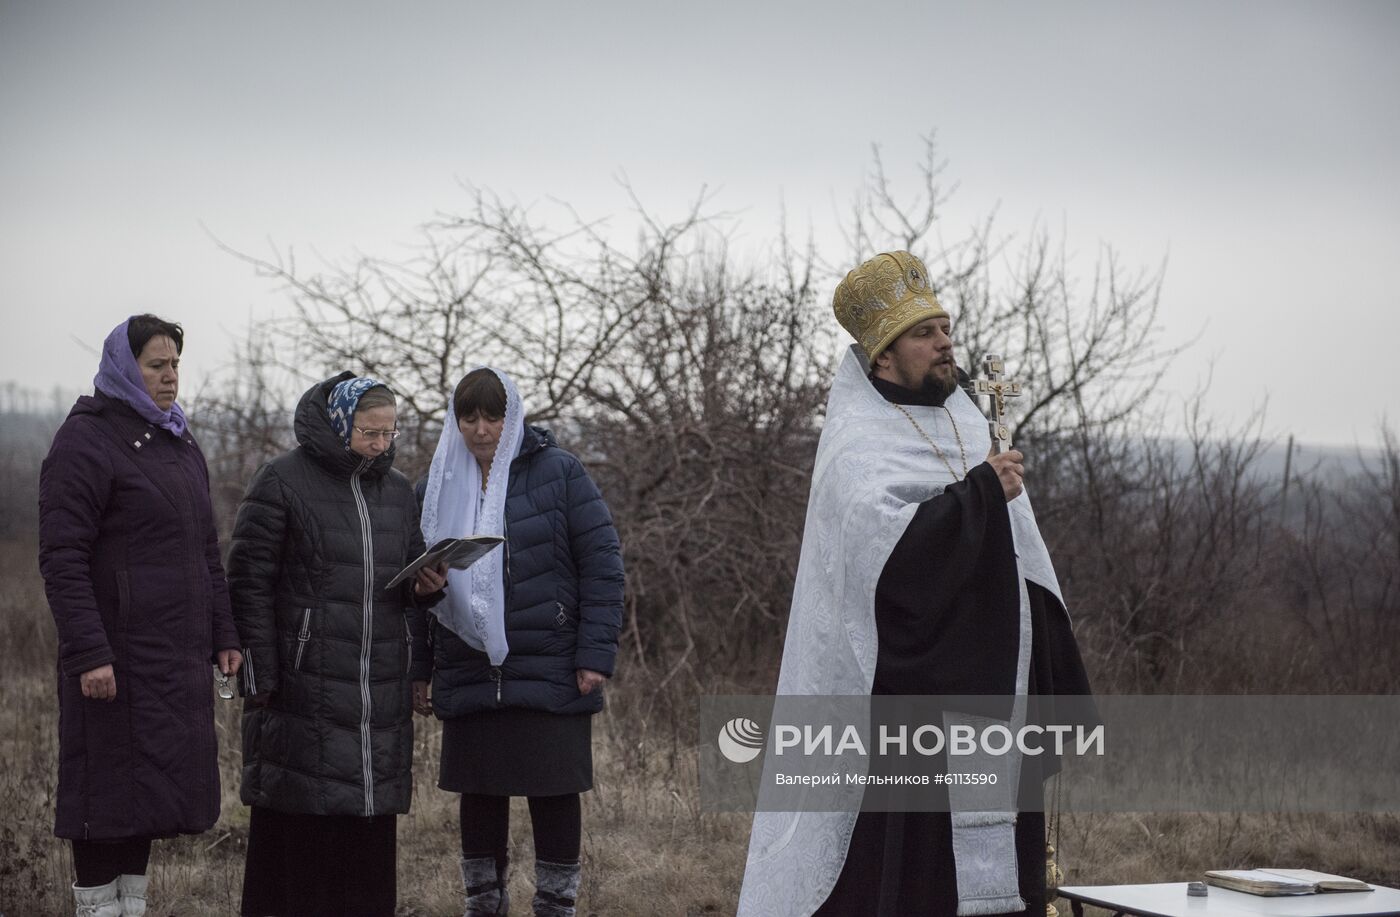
x=997, y=390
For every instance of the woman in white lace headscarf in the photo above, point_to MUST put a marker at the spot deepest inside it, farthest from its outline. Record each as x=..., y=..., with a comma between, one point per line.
x=525, y=640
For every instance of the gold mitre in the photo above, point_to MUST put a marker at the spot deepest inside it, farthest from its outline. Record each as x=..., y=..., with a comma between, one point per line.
x=884, y=297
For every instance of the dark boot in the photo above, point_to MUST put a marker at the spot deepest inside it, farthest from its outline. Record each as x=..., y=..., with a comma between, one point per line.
x=556, y=888
x=485, y=882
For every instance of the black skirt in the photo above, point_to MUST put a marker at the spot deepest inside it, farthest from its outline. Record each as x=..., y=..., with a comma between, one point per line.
x=319, y=865
x=517, y=752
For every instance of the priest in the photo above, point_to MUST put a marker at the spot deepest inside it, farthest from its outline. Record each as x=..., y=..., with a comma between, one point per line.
x=922, y=572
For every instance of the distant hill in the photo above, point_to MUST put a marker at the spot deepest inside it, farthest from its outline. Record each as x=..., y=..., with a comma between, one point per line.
x=29, y=419
x=1327, y=462
x=16, y=400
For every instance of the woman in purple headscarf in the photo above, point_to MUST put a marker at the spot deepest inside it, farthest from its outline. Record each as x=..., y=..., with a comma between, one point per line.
x=130, y=559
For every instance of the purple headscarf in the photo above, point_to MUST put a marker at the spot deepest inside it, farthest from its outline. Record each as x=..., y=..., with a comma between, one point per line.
x=119, y=377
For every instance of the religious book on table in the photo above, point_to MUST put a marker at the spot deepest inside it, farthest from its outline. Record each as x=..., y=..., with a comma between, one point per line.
x=1283, y=881
x=457, y=553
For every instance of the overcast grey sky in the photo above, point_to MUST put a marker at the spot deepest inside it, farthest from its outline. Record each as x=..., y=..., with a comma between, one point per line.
x=1254, y=145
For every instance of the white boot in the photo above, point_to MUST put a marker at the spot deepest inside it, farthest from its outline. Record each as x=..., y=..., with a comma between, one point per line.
x=132, y=891
x=98, y=901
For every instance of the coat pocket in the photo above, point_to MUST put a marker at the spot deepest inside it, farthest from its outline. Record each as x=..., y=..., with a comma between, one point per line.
x=303, y=636
x=254, y=720
x=123, y=596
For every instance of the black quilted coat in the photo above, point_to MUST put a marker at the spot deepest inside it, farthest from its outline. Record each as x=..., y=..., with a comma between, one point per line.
x=320, y=532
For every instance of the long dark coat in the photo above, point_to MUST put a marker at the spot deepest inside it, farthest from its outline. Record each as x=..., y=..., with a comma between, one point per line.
x=130, y=559
x=564, y=587
x=320, y=533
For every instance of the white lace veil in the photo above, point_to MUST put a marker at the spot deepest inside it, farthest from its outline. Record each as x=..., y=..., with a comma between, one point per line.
x=474, y=608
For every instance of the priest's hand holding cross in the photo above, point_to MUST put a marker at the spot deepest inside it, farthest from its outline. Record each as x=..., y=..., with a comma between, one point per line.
x=1009, y=471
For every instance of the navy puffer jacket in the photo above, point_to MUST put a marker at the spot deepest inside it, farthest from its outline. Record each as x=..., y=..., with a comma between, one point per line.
x=563, y=594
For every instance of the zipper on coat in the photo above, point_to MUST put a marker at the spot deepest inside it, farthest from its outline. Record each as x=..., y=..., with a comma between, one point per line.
x=496, y=677
x=367, y=633
x=302, y=636
x=408, y=643
x=505, y=556
x=250, y=680
x=562, y=616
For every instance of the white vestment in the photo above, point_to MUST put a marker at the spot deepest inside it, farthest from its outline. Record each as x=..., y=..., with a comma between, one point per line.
x=872, y=471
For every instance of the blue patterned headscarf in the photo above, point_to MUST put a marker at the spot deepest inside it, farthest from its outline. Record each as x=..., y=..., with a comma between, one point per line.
x=343, y=400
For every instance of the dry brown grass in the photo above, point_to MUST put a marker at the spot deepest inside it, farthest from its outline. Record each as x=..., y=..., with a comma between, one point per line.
x=647, y=847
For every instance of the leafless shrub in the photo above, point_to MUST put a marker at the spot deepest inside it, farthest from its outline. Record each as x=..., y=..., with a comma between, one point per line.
x=244, y=419
x=1341, y=568
x=1089, y=350
x=692, y=383
x=1157, y=540
x=691, y=387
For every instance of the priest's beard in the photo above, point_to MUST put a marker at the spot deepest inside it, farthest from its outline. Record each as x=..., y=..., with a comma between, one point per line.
x=936, y=389
x=932, y=388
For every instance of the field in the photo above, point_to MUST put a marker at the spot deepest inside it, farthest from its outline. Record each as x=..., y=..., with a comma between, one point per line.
x=647, y=848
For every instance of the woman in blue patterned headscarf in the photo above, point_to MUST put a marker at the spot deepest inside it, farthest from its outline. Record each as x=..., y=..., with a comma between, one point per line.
x=335, y=663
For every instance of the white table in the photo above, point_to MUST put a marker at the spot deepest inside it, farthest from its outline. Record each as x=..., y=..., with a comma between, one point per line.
x=1169, y=899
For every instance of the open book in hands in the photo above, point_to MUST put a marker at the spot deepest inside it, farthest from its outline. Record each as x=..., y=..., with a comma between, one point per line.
x=457, y=553
x=1283, y=881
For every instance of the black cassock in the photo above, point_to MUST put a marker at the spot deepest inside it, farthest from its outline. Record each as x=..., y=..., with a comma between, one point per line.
x=947, y=616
